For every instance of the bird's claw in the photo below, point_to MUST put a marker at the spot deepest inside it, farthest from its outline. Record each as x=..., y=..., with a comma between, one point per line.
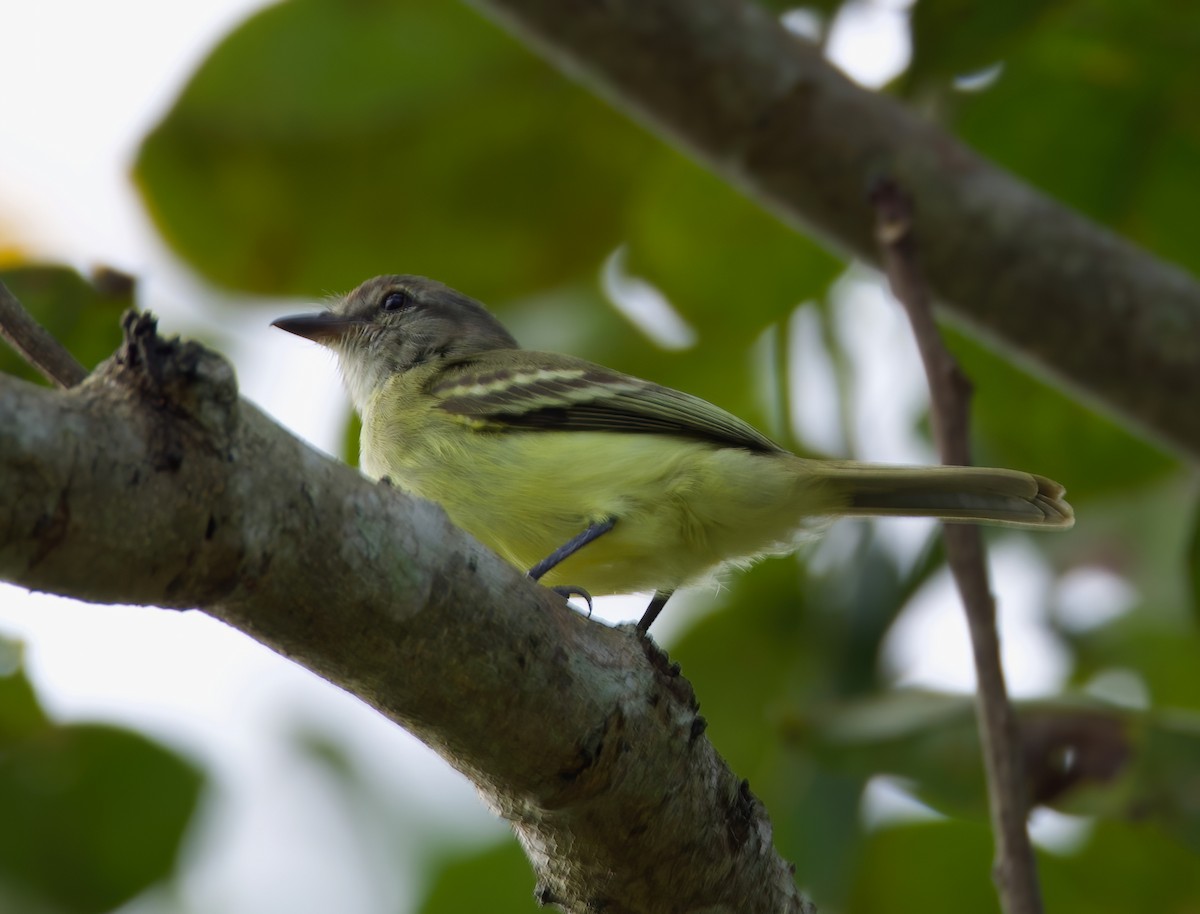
x=566, y=591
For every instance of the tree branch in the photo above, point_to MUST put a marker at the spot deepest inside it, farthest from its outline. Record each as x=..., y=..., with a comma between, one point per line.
x=154, y=483
x=1015, y=869
x=766, y=112
x=36, y=344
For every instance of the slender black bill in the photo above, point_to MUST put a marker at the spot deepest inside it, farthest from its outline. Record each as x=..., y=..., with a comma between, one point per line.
x=318, y=327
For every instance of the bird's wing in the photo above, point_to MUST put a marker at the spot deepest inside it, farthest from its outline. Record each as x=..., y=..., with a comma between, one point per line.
x=521, y=389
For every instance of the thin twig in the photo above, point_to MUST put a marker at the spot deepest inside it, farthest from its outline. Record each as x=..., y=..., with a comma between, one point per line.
x=1015, y=869
x=36, y=344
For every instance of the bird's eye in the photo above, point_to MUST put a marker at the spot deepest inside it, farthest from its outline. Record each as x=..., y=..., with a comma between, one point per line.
x=398, y=300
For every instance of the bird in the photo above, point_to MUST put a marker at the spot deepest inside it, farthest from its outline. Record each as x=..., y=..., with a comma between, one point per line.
x=594, y=481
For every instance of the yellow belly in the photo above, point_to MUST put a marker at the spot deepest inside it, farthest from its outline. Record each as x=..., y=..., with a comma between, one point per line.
x=683, y=509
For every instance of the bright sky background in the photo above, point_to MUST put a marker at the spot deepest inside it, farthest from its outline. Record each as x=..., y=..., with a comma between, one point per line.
x=83, y=82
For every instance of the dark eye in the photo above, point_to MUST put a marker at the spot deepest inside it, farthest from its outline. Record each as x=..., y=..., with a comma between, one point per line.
x=397, y=300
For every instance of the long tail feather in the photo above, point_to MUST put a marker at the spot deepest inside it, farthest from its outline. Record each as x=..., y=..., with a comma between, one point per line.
x=977, y=494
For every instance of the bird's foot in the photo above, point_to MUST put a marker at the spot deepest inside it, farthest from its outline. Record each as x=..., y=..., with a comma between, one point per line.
x=566, y=591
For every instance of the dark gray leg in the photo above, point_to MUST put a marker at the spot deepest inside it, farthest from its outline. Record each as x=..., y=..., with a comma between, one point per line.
x=571, y=546
x=565, y=551
x=656, y=605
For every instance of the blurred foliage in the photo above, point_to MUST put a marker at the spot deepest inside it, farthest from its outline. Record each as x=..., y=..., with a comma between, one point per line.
x=93, y=814
x=323, y=142
x=826, y=7
x=1095, y=103
x=496, y=879
x=82, y=314
x=1127, y=866
x=1193, y=564
x=1051, y=433
x=957, y=38
x=900, y=862
x=684, y=217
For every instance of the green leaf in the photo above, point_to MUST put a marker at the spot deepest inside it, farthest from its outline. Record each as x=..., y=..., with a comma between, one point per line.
x=322, y=143
x=1192, y=563
x=1024, y=423
x=497, y=880
x=730, y=267
x=20, y=713
x=83, y=316
x=1163, y=654
x=1159, y=787
x=936, y=867
x=952, y=38
x=826, y=7
x=1096, y=106
x=93, y=814
x=929, y=739
x=931, y=867
x=1083, y=758
x=1123, y=866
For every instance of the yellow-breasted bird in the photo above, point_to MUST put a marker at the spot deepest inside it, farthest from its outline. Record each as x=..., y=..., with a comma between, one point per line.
x=594, y=479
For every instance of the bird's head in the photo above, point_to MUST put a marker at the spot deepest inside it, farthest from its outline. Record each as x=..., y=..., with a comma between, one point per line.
x=391, y=324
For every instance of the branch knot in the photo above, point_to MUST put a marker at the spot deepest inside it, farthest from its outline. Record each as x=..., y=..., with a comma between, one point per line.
x=181, y=377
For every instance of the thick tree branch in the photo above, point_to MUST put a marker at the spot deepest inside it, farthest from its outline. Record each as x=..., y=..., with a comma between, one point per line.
x=154, y=483
x=765, y=111
x=1015, y=869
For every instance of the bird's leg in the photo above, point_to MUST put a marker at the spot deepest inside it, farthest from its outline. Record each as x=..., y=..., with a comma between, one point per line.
x=568, y=549
x=657, y=602
x=571, y=546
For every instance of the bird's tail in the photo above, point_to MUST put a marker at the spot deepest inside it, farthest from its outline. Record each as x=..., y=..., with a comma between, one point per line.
x=972, y=494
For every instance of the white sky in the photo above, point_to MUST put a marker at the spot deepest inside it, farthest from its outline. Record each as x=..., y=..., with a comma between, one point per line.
x=84, y=81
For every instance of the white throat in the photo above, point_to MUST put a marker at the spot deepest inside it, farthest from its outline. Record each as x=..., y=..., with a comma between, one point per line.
x=362, y=377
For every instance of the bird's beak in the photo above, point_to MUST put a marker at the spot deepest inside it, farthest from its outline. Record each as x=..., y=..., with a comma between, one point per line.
x=322, y=327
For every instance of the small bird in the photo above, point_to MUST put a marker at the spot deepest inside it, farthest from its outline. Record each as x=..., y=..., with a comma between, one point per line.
x=595, y=480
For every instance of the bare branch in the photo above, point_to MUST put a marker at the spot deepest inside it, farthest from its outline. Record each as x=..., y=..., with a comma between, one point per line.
x=1015, y=869
x=154, y=483
x=37, y=345
x=766, y=112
